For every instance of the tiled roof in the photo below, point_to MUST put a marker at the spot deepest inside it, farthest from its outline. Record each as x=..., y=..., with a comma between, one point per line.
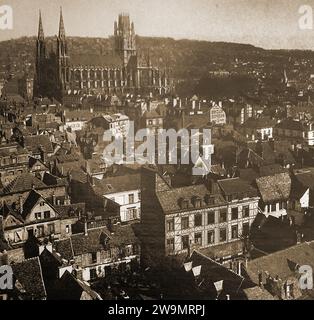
x=64, y=247
x=29, y=275
x=71, y=210
x=33, y=143
x=23, y=182
x=281, y=262
x=274, y=188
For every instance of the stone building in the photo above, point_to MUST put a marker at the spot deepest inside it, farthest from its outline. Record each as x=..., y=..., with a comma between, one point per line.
x=60, y=73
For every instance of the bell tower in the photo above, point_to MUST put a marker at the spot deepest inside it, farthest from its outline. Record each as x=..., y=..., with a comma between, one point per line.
x=124, y=38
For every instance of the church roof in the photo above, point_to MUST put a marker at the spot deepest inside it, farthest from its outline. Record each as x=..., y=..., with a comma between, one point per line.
x=98, y=60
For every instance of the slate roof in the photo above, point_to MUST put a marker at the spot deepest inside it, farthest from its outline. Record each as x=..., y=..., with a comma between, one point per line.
x=274, y=188
x=212, y=271
x=237, y=186
x=282, y=263
x=72, y=288
x=29, y=275
x=98, y=60
x=170, y=199
x=271, y=169
x=117, y=184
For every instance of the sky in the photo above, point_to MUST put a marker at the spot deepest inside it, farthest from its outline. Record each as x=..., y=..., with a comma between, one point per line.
x=264, y=23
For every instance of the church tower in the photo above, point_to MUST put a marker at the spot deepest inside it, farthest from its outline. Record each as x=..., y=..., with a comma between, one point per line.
x=40, y=57
x=62, y=58
x=124, y=38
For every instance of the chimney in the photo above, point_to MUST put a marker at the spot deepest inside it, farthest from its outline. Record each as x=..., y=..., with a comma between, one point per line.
x=21, y=204
x=260, y=280
x=54, y=199
x=239, y=268
x=85, y=228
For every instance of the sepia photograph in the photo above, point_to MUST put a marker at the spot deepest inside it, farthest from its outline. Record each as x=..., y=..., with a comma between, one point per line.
x=156, y=150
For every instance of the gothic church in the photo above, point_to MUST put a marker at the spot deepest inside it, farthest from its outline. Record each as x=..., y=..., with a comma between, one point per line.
x=59, y=73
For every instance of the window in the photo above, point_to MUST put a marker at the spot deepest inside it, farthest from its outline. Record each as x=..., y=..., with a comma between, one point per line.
x=94, y=257
x=246, y=211
x=223, y=235
x=42, y=203
x=170, y=225
x=93, y=273
x=139, y=195
x=51, y=228
x=131, y=214
x=280, y=206
x=47, y=214
x=67, y=228
x=211, y=237
x=273, y=207
x=185, y=223
x=131, y=198
x=223, y=216
x=211, y=217
x=198, y=238
x=170, y=245
x=198, y=220
x=40, y=231
x=246, y=229
x=234, y=232
x=185, y=242
x=234, y=213
x=38, y=215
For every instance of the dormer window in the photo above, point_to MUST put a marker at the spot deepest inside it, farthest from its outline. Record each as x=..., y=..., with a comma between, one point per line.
x=209, y=200
x=184, y=203
x=197, y=202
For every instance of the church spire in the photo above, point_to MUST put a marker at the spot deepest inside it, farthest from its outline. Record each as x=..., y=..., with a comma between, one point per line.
x=61, y=26
x=41, y=35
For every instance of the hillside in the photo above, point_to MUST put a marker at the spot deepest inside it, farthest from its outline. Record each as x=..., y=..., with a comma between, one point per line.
x=188, y=60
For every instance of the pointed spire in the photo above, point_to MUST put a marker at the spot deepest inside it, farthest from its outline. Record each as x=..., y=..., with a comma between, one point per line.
x=41, y=35
x=61, y=26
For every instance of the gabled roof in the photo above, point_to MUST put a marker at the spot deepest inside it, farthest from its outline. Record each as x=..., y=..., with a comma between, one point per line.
x=281, y=263
x=29, y=275
x=72, y=288
x=237, y=186
x=31, y=201
x=23, y=182
x=170, y=199
x=118, y=184
x=274, y=188
x=212, y=271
